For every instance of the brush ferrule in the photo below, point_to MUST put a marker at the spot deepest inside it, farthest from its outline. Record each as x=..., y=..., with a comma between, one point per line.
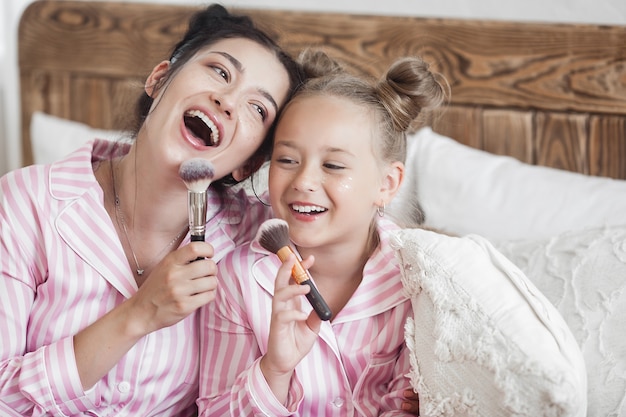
x=197, y=213
x=297, y=272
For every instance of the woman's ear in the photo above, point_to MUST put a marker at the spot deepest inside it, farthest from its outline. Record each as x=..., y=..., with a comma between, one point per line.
x=392, y=181
x=251, y=166
x=152, y=82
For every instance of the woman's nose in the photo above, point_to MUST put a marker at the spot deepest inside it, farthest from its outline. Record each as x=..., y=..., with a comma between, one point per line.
x=225, y=104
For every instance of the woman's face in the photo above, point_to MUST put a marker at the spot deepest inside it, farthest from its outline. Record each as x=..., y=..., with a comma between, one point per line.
x=219, y=106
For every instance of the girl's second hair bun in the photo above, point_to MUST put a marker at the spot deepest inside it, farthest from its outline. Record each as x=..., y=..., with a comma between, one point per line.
x=317, y=63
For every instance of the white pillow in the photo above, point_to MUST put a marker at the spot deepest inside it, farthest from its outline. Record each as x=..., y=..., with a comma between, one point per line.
x=483, y=340
x=464, y=190
x=53, y=137
x=583, y=274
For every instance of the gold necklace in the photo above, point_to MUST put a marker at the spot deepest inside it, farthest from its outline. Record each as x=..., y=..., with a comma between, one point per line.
x=121, y=223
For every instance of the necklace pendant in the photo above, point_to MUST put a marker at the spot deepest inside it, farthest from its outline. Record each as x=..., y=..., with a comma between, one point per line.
x=140, y=272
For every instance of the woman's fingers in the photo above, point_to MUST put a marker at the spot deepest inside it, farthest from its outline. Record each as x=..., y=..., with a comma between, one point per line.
x=178, y=285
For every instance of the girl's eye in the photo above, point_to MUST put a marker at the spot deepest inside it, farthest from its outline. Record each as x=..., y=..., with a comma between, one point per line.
x=221, y=72
x=330, y=165
x=261, y=110
x=285, y=160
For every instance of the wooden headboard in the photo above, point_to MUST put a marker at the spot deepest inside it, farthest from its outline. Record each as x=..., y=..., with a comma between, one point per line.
x=547, y=94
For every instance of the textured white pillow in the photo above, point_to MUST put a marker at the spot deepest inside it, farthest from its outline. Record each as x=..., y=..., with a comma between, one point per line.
x=483, y=340
x=464, y=190
x=53, y=137
x=583, y=274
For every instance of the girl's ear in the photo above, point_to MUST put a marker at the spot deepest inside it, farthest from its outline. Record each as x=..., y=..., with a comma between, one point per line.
x=152, y=82
x=392, y=181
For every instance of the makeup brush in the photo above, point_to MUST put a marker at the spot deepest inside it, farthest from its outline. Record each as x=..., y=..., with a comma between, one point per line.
x=197, y=174
x=273, y=235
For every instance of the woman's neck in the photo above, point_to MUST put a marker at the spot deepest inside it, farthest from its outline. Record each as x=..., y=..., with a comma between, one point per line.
x=149, y=199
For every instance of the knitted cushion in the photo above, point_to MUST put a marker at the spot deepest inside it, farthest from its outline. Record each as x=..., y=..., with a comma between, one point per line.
x=483, y=340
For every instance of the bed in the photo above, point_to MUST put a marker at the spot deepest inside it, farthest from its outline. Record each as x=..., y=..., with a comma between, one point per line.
x=530, y=152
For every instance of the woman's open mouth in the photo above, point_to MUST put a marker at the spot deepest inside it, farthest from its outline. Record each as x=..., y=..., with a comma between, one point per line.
x=202, y=127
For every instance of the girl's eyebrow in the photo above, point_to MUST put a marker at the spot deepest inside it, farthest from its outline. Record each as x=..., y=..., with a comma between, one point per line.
x=239, y=67
x=329, y=149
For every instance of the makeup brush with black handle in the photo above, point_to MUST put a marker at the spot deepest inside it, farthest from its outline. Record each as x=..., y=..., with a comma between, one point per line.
x=273, y=235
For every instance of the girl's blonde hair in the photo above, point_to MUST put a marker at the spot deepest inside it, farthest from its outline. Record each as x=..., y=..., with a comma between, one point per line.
x=397, y=99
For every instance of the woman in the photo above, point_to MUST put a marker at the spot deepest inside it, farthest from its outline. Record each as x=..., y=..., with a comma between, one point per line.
x=98, y=290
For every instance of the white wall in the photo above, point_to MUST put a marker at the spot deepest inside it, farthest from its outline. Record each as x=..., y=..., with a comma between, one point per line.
x=567, y=11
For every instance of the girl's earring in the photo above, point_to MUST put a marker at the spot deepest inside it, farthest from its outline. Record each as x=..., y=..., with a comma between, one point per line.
x=381, y=210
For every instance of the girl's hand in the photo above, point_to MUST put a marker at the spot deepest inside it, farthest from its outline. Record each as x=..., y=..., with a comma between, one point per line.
x=292, y=332
x=176, y=287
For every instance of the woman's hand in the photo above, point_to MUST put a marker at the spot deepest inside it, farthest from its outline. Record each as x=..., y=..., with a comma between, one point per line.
x=292, y=332
x=176, y=287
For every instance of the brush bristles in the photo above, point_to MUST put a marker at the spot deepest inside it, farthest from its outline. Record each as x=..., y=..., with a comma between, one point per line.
x=273, y=235
x=197, y=174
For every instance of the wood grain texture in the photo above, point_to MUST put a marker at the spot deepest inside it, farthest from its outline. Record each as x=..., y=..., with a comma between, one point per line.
x=549, y=94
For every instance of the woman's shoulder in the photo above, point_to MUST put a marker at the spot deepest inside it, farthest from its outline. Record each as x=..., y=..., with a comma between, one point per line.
x=24, y=181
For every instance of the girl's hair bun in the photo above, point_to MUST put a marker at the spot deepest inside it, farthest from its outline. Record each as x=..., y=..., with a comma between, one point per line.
x=317, y=63
x=408, y=87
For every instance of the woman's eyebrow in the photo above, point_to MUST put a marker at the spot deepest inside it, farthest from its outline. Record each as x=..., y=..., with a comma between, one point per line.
x=239, y=67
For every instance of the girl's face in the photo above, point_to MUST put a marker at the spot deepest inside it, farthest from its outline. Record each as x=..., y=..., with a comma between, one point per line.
x=324, y=178
x=218, y=106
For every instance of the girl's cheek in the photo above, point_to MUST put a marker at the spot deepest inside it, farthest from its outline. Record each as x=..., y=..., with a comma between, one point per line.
x=344, y=185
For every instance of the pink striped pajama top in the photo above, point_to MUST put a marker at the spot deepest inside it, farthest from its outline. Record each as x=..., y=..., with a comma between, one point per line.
x=62, y=267
x=357, y=366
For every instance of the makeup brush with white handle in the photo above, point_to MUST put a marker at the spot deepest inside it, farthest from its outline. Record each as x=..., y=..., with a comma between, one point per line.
x=197, y=173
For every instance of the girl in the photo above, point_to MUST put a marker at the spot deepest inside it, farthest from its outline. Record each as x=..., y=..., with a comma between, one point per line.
x=97, y=288
x=336, y=162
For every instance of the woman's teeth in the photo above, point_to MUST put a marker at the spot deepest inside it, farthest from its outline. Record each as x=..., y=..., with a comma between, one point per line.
x=307, y=209
x=212, y=137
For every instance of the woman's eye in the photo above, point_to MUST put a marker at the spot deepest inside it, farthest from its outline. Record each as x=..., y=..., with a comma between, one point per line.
x=261, y=110
x=221, y=72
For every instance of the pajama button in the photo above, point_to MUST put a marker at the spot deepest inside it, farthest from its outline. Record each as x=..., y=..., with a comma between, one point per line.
x=338, y=402
x=123, y=387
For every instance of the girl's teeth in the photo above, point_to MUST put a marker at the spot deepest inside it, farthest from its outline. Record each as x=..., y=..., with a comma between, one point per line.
x=307, y=209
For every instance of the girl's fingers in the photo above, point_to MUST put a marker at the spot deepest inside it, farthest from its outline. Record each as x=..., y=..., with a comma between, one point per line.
x=308, y=262
x=314, y=322
x=289, y=292
x=284, y=272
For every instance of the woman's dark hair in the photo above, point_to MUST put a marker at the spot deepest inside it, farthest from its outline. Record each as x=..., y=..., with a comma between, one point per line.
x=206, y=27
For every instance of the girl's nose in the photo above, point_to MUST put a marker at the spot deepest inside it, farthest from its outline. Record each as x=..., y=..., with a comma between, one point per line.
x=306, y=180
